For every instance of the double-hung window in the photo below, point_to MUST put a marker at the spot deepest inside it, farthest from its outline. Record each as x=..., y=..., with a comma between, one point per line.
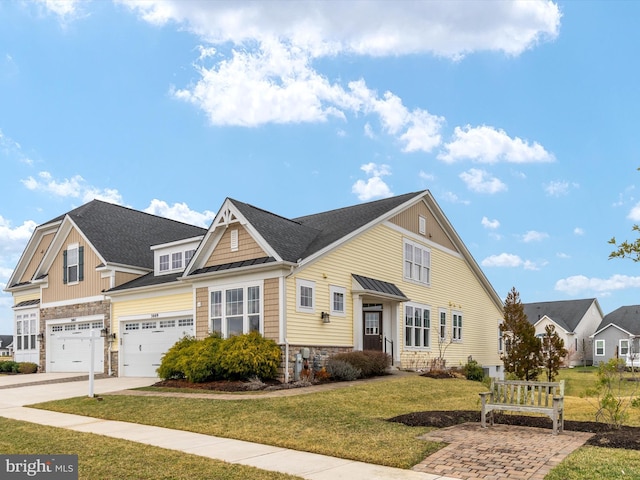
x=417, y=262
x=623, y=348
x=456, y=327
x=236, y=310
x=176, y=260
x=600, y=348
x=337, y=299
x=164, y=263
x=73, y=259
x=443, y=324
x=305, y=296
x=417, y=326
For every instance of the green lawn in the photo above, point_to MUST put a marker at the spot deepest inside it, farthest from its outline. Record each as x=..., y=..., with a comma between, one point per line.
x=108, y=458
x=347, y=422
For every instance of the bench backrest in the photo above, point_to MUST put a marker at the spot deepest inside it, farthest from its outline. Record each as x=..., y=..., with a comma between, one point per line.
x=519, y=392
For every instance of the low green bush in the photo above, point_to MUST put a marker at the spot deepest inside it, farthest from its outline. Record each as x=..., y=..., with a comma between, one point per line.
x=199, y=360
x=473, y=371
x=171, y=366
x=251, y=355
x=9, y=366
x=341, y=370
x=27, y=367
x=371, y=363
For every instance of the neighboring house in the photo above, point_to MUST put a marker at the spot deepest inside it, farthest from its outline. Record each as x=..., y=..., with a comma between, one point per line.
x=575, y=321
x=389, y=275
x=6, y=345
x=618, y=336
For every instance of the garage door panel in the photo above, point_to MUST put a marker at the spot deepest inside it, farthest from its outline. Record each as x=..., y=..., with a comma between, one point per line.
x=145, y=342
x=69, y=348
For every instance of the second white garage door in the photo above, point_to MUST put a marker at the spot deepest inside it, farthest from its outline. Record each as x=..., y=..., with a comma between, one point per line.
x=144, y=342
x=69, y=348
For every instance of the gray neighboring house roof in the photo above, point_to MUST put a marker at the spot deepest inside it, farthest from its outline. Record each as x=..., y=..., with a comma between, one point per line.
x=299, y=238
x=626, y=318
x=124, y=236
x=566, y=313
x=6, y=341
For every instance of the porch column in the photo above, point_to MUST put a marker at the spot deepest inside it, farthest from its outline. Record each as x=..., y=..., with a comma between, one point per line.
x=357, y=322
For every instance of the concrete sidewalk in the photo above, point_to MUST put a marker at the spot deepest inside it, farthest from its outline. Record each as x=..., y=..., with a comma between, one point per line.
x=306, y=465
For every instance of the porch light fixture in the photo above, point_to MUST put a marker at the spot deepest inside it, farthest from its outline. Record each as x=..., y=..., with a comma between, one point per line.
x=40, y=336
x=104, y=332
x=325, y=317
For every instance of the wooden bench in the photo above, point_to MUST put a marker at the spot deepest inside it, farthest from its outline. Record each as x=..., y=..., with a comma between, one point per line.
x=525, y=397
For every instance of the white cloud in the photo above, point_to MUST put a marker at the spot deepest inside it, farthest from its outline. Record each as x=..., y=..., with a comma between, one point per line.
x=490, y=224
x=563, y=255
x=368, y=131
x=559, y=188
x=634, y=214
x=445, y=28
x=269, y=75
x=533, y=236
x=12, y=149
x=429, y=177
x=374, y=186
x=487, y=144
x=580, y=284
x=74, y=187
x=578, y=231
x=180, y=212
x=509, y=260
x=481, y=181
x=453, y=198
x=14, y=239
x=64, y=9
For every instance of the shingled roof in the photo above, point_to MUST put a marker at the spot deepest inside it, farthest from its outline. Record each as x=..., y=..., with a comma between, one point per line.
x=566, y=313
x=298, y=238
x=627, y=318
x=124, y=236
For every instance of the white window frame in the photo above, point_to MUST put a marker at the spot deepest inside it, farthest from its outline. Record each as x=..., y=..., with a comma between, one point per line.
x=333, y=291
x=416, y=264
x=411, y=329
x=596, y=343
x=626, y=340
x=442, y=324
x=188, y=255
x=234, y=240
x=247, y=307
x=457, y=324
x=161, y=263
x=176, y=260
x=500, y=339
x=300, y=284
x=70, y=248
x=422, y=225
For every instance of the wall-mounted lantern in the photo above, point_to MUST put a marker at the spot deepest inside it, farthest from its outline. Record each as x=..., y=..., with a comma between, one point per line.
x=325, y=317
x=40, y=336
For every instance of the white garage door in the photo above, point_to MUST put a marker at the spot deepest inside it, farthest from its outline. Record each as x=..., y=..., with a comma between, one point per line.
x=144, y=343
x=69, y=347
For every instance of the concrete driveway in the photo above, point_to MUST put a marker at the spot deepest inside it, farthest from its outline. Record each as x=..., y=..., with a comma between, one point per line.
x=20, y=390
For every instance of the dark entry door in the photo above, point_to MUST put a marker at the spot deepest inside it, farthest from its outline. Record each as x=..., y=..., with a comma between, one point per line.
x=372, y=331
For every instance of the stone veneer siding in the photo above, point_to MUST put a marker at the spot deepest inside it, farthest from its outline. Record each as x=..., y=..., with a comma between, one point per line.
x=78, y=310
x=318, y=357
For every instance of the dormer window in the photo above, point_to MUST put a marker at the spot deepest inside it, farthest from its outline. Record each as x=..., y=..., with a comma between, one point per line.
x=188, y=255
x=176, y=260
x=164, y=263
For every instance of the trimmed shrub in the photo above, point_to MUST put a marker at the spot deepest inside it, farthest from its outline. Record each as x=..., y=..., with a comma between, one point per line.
x=171, y=366
x=341, y=370
x=251, y=355
x=9, y=366
x=199, y=359
x=371, y=363
x=473, y=371
x=27, y=367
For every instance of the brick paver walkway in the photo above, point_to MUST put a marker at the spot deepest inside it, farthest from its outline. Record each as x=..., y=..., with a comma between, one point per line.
x=498, y=452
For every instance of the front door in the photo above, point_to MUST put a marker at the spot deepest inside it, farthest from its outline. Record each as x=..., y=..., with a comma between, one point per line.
x=372, y=331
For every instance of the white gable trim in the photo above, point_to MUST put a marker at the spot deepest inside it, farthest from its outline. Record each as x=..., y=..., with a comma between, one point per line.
x=611, y=325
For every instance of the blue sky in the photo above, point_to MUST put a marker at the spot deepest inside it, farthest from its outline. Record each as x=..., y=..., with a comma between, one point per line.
x=520, y=117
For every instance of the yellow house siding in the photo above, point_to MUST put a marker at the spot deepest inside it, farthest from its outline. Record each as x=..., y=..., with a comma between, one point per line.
x=25, y=297
x=409, y=220
x=247, y=248
x=378, y=253
x=45, y=241
x=150, y=305
x=92, y=284
x=271, y=309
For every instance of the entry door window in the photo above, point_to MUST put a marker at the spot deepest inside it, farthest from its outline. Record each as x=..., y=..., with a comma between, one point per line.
x=372, y=323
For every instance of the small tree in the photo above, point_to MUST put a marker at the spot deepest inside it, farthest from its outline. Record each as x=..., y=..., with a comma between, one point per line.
x=553, y=352
x=522, y=349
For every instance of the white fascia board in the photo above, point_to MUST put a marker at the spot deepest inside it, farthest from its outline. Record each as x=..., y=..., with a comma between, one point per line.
x=202, y=279
x=177, y=243
x=610, y=325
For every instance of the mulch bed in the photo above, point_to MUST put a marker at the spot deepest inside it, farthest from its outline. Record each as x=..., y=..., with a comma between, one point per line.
x=230, y=385
x=626, y=437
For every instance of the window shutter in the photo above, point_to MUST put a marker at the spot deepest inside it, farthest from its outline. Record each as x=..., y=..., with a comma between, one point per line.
x=80, y=264
x=64, y=267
